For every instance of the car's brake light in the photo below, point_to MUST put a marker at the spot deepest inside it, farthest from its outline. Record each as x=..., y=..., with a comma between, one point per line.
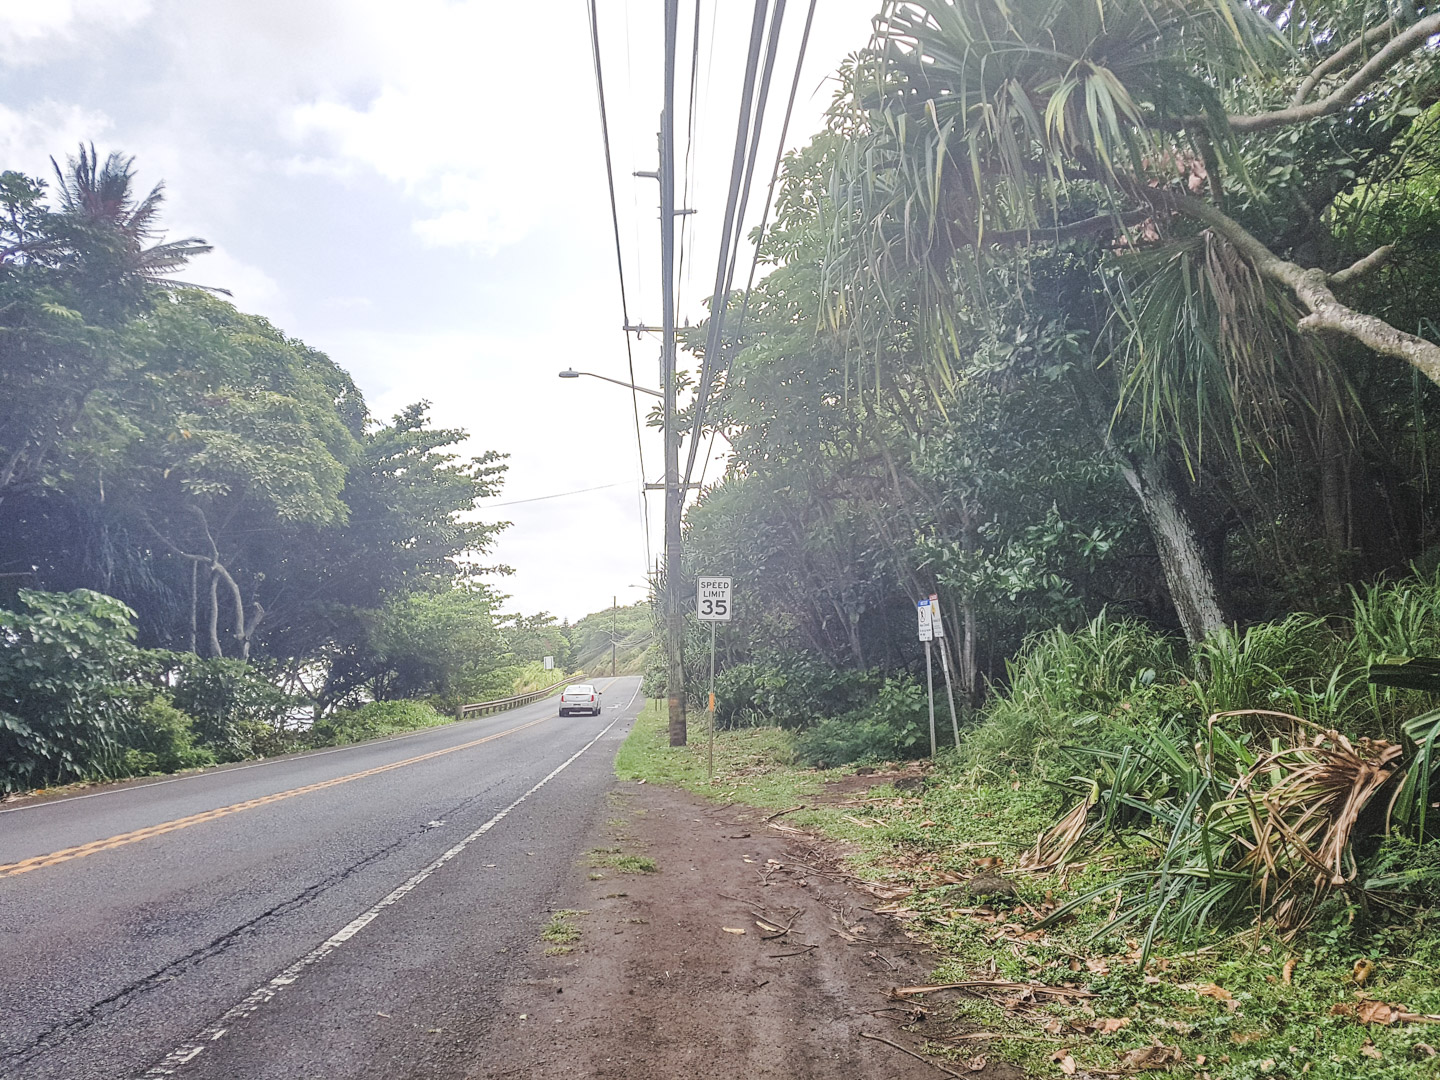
x=592, y=697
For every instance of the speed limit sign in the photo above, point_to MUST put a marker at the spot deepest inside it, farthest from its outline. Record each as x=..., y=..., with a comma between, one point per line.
x=712, y=599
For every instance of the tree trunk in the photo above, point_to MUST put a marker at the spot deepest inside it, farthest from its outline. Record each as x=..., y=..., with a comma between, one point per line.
x=194, y=606
x=1334, y=485
x=1188, y=574
x=215, y=649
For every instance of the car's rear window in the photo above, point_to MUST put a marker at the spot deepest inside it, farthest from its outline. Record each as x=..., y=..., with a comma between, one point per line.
x=579, y=688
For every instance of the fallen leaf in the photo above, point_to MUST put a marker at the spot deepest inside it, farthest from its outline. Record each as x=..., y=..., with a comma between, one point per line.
x=1342, y=1008
x=733, y=929
x=1065, y=1061
x=1375, y=1012
x=1287, y=973
x=1109, y=1026
x=1424, y=1048
x=1151, y=980
x=1210, y=990
x=976, y=1064
x=1151, y=1057
x=1099, y=967
x=1370, y=1050
x=1362, y=971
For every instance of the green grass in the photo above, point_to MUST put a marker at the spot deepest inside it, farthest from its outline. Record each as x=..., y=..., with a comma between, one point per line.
x=561, y=932
x=925, y=839
x=615, y=859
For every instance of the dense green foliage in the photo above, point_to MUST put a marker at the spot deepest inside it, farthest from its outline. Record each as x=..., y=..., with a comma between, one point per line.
x=1112, y=324
x=206, y=540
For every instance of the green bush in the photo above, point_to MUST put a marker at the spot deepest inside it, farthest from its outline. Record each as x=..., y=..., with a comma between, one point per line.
x=791, y=691
x=159, y=738
x=238, y=712
x=59, y=662
x=894, y=727
x=373, y=720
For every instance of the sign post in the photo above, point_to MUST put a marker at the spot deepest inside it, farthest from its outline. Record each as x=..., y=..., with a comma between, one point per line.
x=927, y=631
x=937, y=630
x=712, y=605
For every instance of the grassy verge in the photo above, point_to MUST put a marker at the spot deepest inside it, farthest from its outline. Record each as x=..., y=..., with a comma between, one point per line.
x=1239, y=1008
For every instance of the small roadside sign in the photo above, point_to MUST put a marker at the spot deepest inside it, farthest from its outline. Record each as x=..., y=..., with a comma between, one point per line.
x=937, y=628
x=924, y=620
x=712, y=599
x=549, y=663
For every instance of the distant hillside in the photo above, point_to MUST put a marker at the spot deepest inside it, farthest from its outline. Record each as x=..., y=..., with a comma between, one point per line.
x=630, y=628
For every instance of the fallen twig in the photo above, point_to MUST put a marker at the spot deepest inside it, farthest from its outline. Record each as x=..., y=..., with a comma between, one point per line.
x=802, y=951
x=782, y=813
x=994, y=984
x=912, y=1053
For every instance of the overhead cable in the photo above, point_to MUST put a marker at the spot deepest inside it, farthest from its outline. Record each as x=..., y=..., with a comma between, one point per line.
x=730, y=224
x=769, y=203
x=619, y=259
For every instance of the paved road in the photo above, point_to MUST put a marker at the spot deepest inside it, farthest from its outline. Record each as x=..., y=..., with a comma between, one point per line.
x=348, y=913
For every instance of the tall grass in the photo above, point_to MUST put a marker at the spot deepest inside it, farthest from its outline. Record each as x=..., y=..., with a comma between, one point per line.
x=1063, y=683
x=1254, y=762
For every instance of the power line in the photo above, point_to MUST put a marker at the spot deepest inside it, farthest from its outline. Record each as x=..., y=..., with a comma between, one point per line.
x=775, y=172
x=557, y=495
x=619, y=259
x=741, y=172
x=769, y=200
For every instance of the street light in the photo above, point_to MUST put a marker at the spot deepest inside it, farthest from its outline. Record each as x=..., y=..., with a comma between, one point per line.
x=571, y=373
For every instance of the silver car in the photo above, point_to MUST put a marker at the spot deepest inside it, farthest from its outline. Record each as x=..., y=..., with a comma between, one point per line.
x=580, y=698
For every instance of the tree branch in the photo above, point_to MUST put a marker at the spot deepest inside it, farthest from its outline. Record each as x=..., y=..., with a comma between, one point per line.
x=1312, y=289
x=1395, y=50
x=1360, y=267
x=1339, y=58
x=1099, y=225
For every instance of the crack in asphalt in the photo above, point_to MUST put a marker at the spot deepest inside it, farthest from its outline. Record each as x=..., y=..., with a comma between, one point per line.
x=106, y=1007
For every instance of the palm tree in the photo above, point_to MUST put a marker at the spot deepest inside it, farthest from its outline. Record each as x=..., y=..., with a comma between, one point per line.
x=100, y=204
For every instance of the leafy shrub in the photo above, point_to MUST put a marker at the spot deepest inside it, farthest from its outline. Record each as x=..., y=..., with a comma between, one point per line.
x=238, y=712
x=372, y=720
x=896, y=726
x=59, y=661
x=790, y=691
x=159, y=738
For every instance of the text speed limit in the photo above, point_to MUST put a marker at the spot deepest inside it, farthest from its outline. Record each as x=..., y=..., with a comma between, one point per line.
x=712, y=599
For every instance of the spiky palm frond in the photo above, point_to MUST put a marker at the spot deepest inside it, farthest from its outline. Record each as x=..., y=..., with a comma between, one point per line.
x=100, y=197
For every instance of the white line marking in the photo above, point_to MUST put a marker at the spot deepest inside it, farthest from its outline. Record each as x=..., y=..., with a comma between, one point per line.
x=258, y=997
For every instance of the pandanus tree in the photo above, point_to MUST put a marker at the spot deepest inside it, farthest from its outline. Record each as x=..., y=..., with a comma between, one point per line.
x=1211, y=156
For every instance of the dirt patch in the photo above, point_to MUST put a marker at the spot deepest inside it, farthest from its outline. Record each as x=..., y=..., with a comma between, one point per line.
x=661, y=984
x=906, y=779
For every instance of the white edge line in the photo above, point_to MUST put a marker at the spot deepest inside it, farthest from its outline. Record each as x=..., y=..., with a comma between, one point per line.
x=255, y=764
x=267, y=991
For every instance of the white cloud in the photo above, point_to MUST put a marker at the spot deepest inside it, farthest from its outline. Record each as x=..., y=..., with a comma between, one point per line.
x=29, y=29
x=460, y=122
x=28, y=138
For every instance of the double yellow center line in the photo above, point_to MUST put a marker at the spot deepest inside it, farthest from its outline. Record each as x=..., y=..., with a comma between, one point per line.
x=24, y=866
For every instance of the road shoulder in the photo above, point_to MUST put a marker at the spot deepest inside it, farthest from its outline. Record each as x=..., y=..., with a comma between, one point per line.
x=660, y=983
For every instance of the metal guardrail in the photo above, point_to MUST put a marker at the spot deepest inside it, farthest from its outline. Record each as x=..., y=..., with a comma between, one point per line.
x=500, y=704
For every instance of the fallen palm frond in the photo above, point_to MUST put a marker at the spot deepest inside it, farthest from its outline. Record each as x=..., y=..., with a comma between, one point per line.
x=1267, y=836
x=1294, y=814
x=1053, y=846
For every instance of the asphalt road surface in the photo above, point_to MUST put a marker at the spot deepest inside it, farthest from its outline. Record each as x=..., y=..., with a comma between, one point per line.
x=345, y=913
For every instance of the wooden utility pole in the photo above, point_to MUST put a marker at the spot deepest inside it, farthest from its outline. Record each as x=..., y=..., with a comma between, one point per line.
x=674, y=496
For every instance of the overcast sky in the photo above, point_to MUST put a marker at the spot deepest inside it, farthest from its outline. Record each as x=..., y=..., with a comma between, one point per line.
x=418, y=189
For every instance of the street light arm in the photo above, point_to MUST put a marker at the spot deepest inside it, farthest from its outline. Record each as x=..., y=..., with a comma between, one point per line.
x=571, y=373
